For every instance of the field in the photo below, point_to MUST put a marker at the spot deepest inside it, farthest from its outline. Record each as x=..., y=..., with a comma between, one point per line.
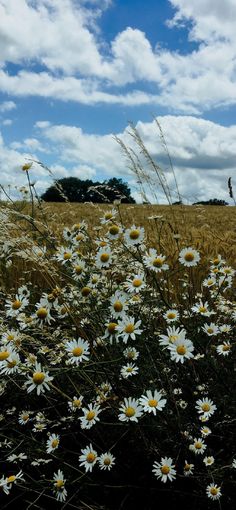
x=117, y=356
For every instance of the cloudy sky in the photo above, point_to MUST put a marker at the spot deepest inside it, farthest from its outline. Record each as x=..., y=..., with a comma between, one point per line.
x=75, y=73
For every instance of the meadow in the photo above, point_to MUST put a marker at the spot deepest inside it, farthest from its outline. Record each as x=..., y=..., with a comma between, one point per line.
x=117, y=356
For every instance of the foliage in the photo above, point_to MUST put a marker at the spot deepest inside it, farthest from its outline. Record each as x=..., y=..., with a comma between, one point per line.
x=212, y=201
x=73, y=189
x=114, y=320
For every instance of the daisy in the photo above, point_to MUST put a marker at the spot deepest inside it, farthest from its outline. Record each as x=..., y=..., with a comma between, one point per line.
x=78, y=350
x=189, y=257
x=108, y=216
x=88, y=458
x=208, y=461
x=224, y=349
x=210, y=329
x=90, y=416
x=111, y=331
x=202, y=308
x=131, y=353
x=129, y=370
x=106, y=461
x=164, y=469
x=171, y=315
x=42, y=314
x=152, y=401
x=217, y=261
x=103, y=257
x=181, y=350
x=128, y=328
x=119, y=305
x=154, y=261
x=52, y=443
x=213, y=491
x=4, y=485
x=209, y=282
x=64, y=255
x=225, y=328
x=135, y=284
x=205, y=431
x=198, y=446
x=114, y=231
x=78, y=268
x=59, y=486
x=13, y=308
x=76, y=403
x=15, y=478
x=39, y=380
x=173, y=334
x=134, y=235
x=205, y=407
x=11, y=365
x=188, y=468
x=130, y=410
x=24, y=417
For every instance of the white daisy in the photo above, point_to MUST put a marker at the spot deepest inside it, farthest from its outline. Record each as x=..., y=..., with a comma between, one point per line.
x=90, y=416
x=189, y=257
x=224, y=349
x=134, y=235
x=131, y=353
x=135, y=284
x=173, y=334
x=164, y=469
x=202, y=308
x=171, y=315
x=213, y=491
x=129, y=370
x=39, y=380
x=11, y=365
x=78, y=351
x=16, y=306
x=188, y=468
x=108, y=216
x=52, y=443
x=156, y=262
x=75, y=403
x=59, y=486
x=114, y=231
x=198, y=446
x=128, y=328
x=119, y=305
x=205, y=406
x=205, y=431
x=152, y=401
x=130, y=410
x=208, y=461
x=106, y=461
x=88, y=458
x=210, y=329
x=181, y=350
x=103, y=257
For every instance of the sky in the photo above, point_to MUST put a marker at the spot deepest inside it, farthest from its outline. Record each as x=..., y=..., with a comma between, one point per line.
x=74, y=74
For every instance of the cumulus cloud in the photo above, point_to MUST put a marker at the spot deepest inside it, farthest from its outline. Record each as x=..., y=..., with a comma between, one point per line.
x=7, y=106
x=63, y=37
x=202, y=153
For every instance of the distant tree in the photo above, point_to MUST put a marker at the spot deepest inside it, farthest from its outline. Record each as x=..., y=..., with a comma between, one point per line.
x=77, y=190
x=212, y=201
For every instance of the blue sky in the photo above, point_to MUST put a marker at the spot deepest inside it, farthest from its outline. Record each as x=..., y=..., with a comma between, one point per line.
x=73, y=73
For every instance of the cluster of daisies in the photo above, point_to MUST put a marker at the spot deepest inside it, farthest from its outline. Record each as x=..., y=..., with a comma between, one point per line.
x=110, y=344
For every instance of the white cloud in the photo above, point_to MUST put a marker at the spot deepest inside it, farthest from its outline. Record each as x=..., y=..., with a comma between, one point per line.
x=7, y=122
x=7, y=106
x=80, y=66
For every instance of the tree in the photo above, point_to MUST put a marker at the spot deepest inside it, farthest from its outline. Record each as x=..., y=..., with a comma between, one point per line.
x=77, y=190
x=212, y=201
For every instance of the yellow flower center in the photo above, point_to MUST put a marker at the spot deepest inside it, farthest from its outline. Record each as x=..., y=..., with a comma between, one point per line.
x=104, y=257
x=4, y=355
x=78, y=269
x=42, y=313
x=10, y=338
x=38, y=377
x=210, y=330
x=55, y=443
x=114, y=230
x=134, y=234
x=76, y=402
x=157, y=262
x=198, y=445
x=90, y=415
x=59, y=484
x=118, y=307
x=226, y=347
x=85, y=291
x=77, y=351
x=153, y=402
x=107, y=461
x=129, y=328
x=11, y=364
x=108, y=216
x=171, y=315
x=16, y=304
x=189, y=256
x=94, y=279
x=11, y=479
x=165, y=469
x=129, y=369
x=206, y=407
x=202, y=309
x=137, y=282
x=67, y=255
x=79, y=237
x=130, y=411
x=91, y=457
x=25, y=417
x=112, y=327
x=181, y=349
x=213, y=491
x=187, y=467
